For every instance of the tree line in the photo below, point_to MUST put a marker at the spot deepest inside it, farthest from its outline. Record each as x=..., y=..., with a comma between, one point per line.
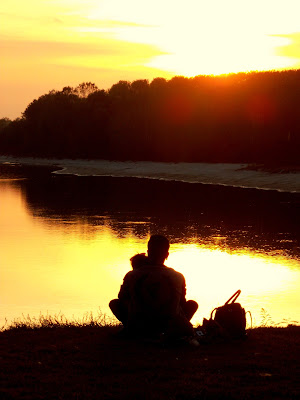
x=246, y=117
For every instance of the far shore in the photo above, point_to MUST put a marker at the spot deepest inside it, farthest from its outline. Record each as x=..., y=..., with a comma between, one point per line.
x=251, y=176
x=90, y=362
x=273, y=168
x=48, y=161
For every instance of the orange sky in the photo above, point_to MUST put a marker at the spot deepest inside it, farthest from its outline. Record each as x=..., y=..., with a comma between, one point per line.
x=49, y=44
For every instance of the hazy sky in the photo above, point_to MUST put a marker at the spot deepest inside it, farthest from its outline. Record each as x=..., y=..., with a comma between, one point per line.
x=49, y=44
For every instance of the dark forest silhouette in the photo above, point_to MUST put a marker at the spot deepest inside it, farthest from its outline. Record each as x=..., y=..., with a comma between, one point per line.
x=245, y=117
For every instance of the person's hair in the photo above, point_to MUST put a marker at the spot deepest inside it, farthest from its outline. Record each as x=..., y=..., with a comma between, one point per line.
x=158, y=248
x=138, y=260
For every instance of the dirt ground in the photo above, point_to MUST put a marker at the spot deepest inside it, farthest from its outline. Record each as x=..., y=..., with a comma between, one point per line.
x=92, y=363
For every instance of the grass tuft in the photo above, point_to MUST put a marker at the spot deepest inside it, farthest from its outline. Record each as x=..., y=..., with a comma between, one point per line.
x=102, y=320
x=267, y=321
x=60, y=321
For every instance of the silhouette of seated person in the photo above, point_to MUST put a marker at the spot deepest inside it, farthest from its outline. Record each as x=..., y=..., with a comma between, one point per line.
x=152, y=297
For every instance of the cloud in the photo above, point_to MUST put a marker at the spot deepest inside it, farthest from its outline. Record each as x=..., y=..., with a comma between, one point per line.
x=47, y=50
x=292, y=49
x=113, y=23
x=71, y=20
x=17, y=18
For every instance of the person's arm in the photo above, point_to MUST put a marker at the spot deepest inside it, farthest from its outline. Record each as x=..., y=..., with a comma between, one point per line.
x=183, y=293
x=124, y=293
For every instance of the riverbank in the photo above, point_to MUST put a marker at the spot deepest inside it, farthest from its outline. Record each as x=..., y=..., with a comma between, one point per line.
x=89, y=362
x=273, y=168
x=275, y=177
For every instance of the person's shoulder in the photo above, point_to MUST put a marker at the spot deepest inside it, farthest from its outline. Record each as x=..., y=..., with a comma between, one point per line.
x=137, y=272
x=173, y=272
x=129, y=275
x=151, y=269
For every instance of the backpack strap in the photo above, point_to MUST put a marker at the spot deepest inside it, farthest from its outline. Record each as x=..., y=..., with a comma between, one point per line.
x=211, y=314
x=233, y=297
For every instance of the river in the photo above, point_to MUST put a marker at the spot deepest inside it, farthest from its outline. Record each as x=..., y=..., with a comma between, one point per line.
x=67, y=235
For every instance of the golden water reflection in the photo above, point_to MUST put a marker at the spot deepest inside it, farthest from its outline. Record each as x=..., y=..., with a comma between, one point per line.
x=214, y=275
x=51, y=269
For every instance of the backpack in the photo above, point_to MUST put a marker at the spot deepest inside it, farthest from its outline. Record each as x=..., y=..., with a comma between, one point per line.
x=154, y=293
x=155, y=305
x=228, y=320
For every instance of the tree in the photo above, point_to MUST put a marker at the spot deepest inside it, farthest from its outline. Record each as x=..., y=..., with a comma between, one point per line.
x=4, y=122
x=85, y=89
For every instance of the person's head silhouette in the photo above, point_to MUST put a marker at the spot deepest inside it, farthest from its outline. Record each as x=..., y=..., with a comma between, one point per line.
x=139, y=260
x=158, y=249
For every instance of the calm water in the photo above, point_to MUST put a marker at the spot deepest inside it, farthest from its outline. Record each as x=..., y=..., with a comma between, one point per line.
x=65, y=243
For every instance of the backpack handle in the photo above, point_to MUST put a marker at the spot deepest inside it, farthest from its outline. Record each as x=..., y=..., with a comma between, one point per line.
x=233, y=297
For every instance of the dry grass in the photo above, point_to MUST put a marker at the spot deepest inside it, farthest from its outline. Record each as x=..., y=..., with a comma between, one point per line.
x=59, y=321
x=51, y=358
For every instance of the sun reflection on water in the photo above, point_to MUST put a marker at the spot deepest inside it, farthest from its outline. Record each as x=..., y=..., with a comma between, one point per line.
x=212, y=276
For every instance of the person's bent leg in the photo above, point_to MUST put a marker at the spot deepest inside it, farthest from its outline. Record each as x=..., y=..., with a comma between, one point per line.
x=119, y=310
x=190, y=308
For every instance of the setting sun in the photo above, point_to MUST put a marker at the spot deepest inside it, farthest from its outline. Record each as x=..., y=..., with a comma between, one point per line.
x=48, y=45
